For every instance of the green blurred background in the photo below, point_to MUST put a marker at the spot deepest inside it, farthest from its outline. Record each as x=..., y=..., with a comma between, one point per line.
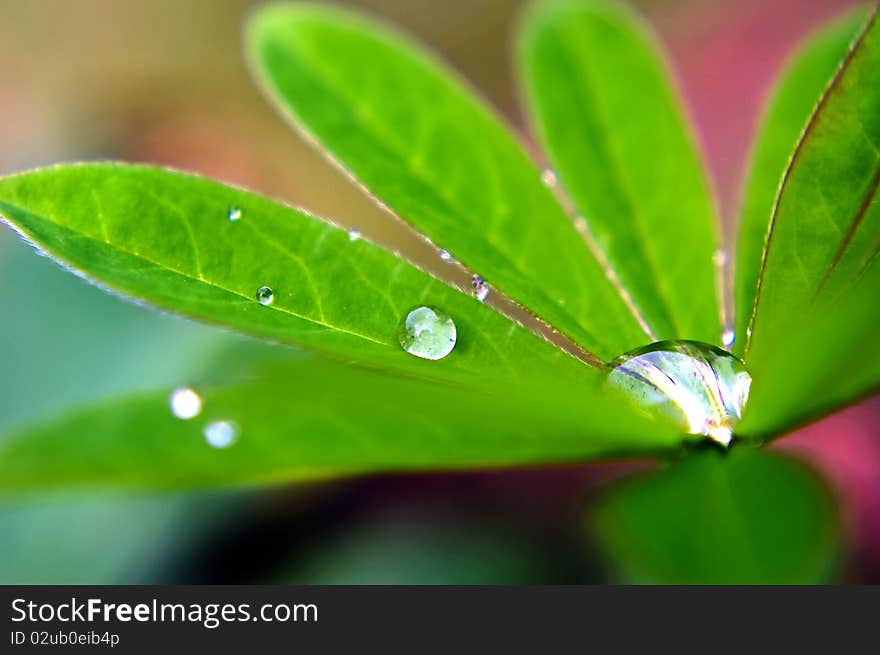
x=163, y=81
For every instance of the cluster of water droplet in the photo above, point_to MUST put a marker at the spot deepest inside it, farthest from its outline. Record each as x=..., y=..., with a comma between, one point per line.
x=702, y=388
x=186, y=404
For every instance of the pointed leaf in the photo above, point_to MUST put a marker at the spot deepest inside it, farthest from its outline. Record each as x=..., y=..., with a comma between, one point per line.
x=807, y=76
x=825, y=228
x=320, y=419
x=823, y=365
x=743, y=517
x=612, y=125
x=164, y=238
x=403, y=124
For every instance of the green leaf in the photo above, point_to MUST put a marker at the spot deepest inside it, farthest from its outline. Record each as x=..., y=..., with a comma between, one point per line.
x=742, y=517
x=319, y=419
x=803, y=82
x=824, y=364
x=610, y=120
x=417, y=137
x=102, y=347
x=164, y=238
x=825, y=228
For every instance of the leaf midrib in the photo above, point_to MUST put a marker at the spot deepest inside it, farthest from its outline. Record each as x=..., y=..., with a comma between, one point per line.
x=166, y=267
x=374, y=126
x=573, y=43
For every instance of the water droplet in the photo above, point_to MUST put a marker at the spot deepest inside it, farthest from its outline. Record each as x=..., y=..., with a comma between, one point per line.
x=481, y=288
x=445, y=256
x=701, y=387
x=719, y=257
x=234, y=214
x=221, y=434
x=427, y=333
x=728, y=337
x=185, y=403
x=265, y=295
x=354, y=235
x=548, y=177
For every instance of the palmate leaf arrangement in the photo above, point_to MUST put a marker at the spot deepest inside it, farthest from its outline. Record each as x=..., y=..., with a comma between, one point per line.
x=615, y=247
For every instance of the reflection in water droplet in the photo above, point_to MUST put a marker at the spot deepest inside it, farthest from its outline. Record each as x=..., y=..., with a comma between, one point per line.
x=481, y=288
x=265, y=295
x=234, y=214
x=354, y=235
x=185, y=403
x=427, y=333
x=548, y=177
x=702, y=388
x=728, y=337
x=221, y=434
x=445, y=256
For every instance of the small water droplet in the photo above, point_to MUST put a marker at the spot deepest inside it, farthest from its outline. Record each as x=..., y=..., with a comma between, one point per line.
x=719, y=257
x=265, y=295
x=234, y=214
x=749, y=333
x=185, y=403
x=728, y=337
x=427, y=333
x=354, y=235
x=700, y=387
x=445, y=256
x=548, y=177
x=221, y=434
x=481, y=288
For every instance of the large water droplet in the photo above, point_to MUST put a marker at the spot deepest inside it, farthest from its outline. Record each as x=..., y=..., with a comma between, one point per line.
x=701, y=387
x=221, y=434
x=185, y=403
x=234, y=214
x=265, y=295
x=427, y=333
x=481, y=288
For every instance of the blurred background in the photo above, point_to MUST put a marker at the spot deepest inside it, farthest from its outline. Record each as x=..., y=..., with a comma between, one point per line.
x=164, y=82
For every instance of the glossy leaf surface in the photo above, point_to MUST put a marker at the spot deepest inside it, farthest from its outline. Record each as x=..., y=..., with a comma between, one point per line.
x=166, y=238
x=611, y=123
x=321, y=419
x=407, y=128
x=798, y=91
